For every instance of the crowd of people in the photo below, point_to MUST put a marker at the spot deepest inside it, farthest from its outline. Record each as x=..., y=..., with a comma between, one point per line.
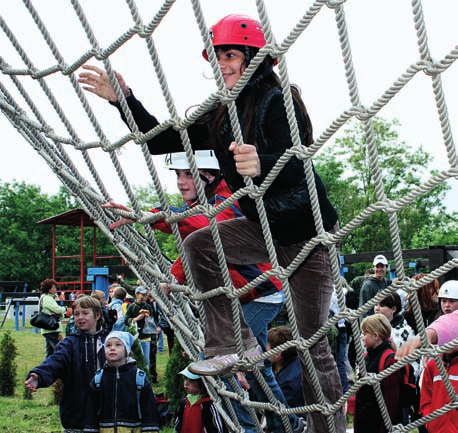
x=93, y=360
x=107, y=350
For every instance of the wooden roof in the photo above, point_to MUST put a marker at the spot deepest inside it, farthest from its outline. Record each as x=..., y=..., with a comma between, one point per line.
x=70, y=218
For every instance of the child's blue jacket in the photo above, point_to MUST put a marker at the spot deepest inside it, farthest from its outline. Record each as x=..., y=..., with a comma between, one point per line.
x=75, y=361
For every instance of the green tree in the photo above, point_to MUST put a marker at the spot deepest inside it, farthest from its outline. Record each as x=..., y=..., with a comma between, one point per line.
x=348, y=174
x=26, y=253
x=8, y=366
x=148, y=199
x=173, y=380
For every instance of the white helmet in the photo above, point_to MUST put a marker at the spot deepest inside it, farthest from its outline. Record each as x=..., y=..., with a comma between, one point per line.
x=449, y=290
x=205, y=160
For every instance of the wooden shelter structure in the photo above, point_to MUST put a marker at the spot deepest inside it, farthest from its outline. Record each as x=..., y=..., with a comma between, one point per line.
x=79, y=218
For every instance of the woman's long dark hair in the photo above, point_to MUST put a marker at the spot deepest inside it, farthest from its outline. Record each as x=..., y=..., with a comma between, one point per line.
x=210, y=188
x=260, y=83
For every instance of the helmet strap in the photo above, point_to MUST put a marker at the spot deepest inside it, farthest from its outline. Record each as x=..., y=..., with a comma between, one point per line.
x=247, y=55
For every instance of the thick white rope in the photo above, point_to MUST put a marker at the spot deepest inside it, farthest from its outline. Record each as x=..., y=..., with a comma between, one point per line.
x=143, y=253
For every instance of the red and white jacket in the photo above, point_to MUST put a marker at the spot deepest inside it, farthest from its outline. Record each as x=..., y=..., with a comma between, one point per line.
x=434, y=395
x=240, y=274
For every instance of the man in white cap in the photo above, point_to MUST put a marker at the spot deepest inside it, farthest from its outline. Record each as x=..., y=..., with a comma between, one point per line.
x=374, y=284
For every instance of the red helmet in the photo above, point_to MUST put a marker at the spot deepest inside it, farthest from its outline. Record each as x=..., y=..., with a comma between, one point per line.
x=236, y=30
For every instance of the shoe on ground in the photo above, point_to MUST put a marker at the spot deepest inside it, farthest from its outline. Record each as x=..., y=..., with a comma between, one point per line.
x=223, y=363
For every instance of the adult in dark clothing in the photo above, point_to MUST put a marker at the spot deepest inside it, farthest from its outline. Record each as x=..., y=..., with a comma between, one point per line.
x=139, y=313
x=156, y=314
x=374, y=284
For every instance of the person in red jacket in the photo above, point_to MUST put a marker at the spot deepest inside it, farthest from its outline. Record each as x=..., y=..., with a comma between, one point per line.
x=434, y=395
x=196, y=412
x=216, y=192
x=261, y=304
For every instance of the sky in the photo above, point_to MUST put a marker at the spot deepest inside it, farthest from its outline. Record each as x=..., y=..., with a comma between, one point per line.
x=383, y=45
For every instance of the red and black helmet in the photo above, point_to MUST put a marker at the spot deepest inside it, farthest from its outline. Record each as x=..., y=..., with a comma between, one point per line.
x=236, y=30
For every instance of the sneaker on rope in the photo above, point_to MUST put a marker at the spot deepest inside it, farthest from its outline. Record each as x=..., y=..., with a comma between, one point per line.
x=222, y=363
x=300, y=425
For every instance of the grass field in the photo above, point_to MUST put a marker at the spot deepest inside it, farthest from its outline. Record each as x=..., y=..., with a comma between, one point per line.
x=40, y=414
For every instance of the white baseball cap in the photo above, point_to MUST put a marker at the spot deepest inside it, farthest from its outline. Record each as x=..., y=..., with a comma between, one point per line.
x=380, y=259
x=141, y=290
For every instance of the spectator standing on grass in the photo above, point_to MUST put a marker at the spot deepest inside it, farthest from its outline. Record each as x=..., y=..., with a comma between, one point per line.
x=341, y=339
x=434, y=395
x=156, y=317
x=196, y=412
x=48, y=305
x=286, y=366
x=441, y=331
x=118, y=401
x=76, y=359
x=374, y=284
x=107, y=314
x=119, y=295
x=368, y=417
x=137, y=313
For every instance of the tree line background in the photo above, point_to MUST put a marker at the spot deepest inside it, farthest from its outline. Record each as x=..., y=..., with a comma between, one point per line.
x=26, y=247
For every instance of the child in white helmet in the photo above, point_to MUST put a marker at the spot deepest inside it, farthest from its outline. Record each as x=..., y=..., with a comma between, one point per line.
x=448, y=296
x=444, y=329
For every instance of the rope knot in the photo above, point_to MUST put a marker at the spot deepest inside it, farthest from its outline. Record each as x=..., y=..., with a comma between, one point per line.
x=142, y=31
x=361, y=113
x=332, y=4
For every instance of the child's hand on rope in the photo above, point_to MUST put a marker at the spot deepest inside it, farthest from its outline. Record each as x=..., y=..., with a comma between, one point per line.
x=246, y=159
x=122, y=221
x=166, y=289
x=97, y=82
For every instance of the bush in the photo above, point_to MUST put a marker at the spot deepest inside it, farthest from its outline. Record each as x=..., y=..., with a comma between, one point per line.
x=8, y=367
x=173, y=380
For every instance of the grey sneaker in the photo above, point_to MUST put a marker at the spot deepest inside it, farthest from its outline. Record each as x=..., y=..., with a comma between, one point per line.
x=300, y=426
x=223, y=363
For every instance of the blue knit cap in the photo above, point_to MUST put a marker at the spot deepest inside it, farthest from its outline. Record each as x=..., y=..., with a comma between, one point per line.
x=126, y=338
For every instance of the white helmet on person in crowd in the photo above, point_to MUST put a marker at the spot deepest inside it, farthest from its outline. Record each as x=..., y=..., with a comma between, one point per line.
x=449, y=289
x=205, y=160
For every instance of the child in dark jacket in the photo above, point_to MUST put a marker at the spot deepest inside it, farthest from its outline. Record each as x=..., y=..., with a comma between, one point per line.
x=368, y=417
x=286, y=366
x=197, y=413
x=76, y=359
x=121, y=397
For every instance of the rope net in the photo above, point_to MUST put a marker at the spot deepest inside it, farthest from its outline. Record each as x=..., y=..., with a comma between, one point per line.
x=89, y=150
